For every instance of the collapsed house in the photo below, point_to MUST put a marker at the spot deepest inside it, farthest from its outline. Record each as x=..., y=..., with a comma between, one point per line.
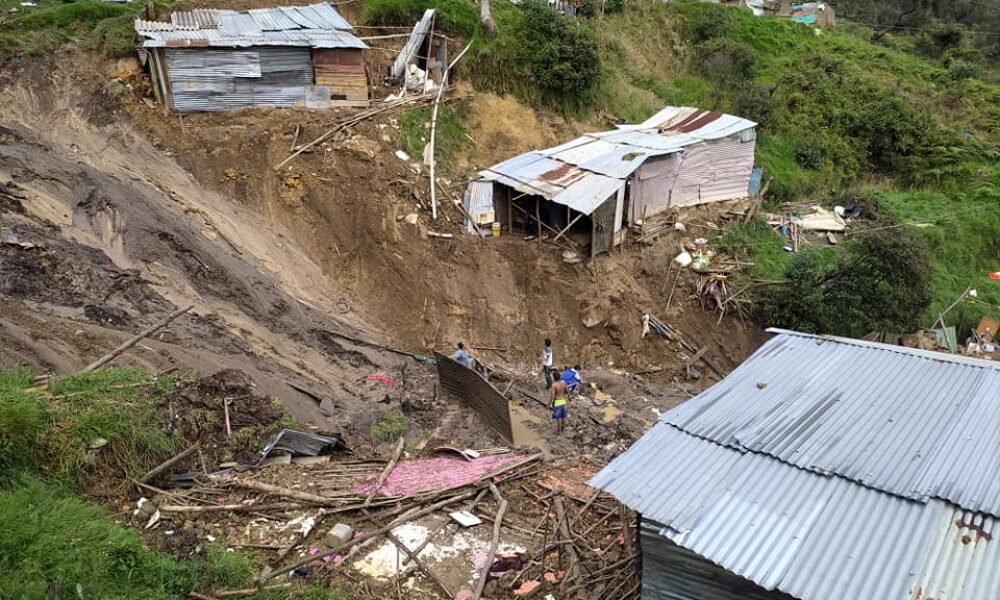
x=591, y=187
x=210, y=60
x=823, y=468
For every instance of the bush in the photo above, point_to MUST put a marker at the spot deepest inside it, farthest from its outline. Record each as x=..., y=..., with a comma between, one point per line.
x=389, y=427
x=726, y=62
x=562, y=54
x=455, y=17
x=881, y=282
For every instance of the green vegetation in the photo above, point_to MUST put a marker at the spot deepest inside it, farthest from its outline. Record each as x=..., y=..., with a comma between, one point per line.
x=450, y=137
x=57, y=545
x=389, y=427
x=106, y=27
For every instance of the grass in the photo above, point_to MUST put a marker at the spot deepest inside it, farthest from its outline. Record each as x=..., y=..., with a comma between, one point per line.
x=57, y=545
x=38, y=434
x=103, y=26
x=449, y=138
x=389, y=427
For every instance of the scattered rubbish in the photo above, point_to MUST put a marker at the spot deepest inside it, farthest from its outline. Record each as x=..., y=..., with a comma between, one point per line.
x=402, y=155
x=571, y=258
x=279, y=459
x=97, y=443
x=761, y=385
x=300, y=443
x=554, y=577
x=410, y=219
x=465, y=518
x=701, y=262
x=505, y=563
x=700, y=241
x=678, y=226
x=994, y=275
x=339, y=534
x=822, y=220
x=684, y=259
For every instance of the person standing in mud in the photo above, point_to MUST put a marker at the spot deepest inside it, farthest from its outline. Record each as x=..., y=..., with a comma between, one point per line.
x=559, y=401
x=545, y=357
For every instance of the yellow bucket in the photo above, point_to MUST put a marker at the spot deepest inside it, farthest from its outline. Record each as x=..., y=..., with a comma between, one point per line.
x=496, y=229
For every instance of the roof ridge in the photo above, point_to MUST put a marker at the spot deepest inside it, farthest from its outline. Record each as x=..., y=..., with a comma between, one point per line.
x=928, y=354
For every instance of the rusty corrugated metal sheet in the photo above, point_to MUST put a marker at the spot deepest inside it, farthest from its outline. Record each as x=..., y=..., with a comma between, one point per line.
x=466, y=385
x=582, y=173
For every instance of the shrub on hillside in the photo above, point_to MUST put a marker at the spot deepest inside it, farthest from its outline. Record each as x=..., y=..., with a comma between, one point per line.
x=726, y=62
x=562, y=53
x=880, y=283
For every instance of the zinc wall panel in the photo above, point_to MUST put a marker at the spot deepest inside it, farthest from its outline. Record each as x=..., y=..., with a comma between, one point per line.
x=466, y=385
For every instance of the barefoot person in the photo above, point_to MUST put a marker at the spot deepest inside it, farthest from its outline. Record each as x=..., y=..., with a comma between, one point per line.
x=559, y=395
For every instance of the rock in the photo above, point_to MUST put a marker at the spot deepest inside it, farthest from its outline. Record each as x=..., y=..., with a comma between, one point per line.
x=678, y=226
x=410, y=219
x=128, y=66
x=339, y=535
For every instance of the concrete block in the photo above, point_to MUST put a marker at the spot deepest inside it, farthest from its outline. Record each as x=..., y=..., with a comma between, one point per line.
x=339, y=535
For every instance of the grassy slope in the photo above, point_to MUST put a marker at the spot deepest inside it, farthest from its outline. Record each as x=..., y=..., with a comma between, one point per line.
x=57, y=545
x=648, y=62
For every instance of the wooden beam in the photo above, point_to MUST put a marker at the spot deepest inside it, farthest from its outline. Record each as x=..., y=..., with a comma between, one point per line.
x=566, y=228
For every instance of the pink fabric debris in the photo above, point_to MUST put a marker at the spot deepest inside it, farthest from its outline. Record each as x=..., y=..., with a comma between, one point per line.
x=379, y=378
x=313, y=551
x=527, y=587
x=427, y=474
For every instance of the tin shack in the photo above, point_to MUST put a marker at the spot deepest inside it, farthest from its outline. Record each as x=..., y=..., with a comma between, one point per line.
x=211, y=60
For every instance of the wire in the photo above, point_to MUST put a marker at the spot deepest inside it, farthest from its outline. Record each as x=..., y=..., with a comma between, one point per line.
x=908, y=28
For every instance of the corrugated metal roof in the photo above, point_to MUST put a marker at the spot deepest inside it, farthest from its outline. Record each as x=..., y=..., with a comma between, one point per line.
x=315, y=26
x=615, y=154
x=911, y=423
x=817, y=537
x=750, y=478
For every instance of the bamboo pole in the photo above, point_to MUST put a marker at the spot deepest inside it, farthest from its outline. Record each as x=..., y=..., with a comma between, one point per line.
x=434, y=115
x=110, y=356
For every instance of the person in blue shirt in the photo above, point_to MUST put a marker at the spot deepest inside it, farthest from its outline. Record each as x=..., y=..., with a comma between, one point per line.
x=462, y=356
x=571, y=377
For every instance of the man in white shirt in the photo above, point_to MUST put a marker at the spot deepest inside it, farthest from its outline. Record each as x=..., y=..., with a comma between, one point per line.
x=546, y=359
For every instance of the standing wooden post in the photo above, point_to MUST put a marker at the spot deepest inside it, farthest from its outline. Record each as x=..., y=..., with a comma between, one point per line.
x=538, y=217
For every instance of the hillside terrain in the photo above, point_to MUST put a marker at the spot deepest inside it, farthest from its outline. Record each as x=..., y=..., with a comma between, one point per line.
x=321, y=289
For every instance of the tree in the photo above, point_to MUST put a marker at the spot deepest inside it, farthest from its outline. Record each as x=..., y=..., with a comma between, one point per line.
x=486, y=17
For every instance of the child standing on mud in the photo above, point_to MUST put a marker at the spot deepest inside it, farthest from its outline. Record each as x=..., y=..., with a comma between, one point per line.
x=559, y=394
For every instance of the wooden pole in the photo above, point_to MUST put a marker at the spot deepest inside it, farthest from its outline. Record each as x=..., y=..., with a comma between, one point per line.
x=168, y=463
x=434, y=116
x=385, y=472
x=538, y=217
x=566, y=228
x=491, y=555
x=110, y=356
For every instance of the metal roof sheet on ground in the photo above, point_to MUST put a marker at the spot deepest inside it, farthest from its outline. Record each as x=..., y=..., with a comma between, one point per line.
x=912, y=423
x=317, y=26
x=813, y=536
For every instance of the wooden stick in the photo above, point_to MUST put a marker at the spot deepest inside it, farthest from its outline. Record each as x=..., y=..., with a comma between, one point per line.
x=434, y=117
x=110, y=356
x=225, y=410
x=491, y=555
x=566, y=228
x=423, y=566
x=169, y=463
x=385, y=472
x=180, y=508
x=276, y=490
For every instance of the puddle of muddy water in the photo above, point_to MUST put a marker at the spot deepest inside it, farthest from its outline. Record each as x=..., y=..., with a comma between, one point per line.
x=524, y=434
